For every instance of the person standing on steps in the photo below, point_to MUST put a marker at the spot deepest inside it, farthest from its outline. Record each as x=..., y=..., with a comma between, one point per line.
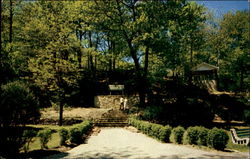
x=121, y=103
x=125, y=104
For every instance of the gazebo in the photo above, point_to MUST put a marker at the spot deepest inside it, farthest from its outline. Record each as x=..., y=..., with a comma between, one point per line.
x=205, y=75
x=205, y=69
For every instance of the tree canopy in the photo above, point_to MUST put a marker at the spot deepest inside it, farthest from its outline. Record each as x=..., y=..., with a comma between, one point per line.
x=63, y=47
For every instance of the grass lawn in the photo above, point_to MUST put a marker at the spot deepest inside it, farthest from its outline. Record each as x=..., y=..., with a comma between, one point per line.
x=54, y=142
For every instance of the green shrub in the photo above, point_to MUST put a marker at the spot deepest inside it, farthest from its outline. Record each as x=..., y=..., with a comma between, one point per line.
x=28, y=135
x=177, y=134
x=18, y=104
x=64, y=136
x=152, y=113
x=191, y=135
x=75, y=135
x=45, y=136
x=156, y=131
x=196, y=135
x=164, y=134
x=247, y=116
x=79, y=132
x=217, y=138
x=202, y=139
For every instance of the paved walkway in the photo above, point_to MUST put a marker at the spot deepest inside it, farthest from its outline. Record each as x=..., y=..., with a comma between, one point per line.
x=119, y=143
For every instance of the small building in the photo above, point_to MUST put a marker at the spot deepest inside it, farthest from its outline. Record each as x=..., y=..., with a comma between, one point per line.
x=205, y=75
x=116, y=88
x=205, y=69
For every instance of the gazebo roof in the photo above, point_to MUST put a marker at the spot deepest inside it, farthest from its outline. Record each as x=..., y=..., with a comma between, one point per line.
x=204, y=68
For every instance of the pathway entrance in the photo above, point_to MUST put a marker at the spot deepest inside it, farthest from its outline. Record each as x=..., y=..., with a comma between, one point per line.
x=119, y=143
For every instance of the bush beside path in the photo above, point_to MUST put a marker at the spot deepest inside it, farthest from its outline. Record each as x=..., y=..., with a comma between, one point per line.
x=119, y=143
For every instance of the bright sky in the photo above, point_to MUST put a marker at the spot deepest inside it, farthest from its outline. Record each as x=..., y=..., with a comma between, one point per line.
x=220, y=7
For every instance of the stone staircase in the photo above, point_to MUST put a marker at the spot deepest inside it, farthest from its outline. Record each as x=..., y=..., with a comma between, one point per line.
x=113, y=118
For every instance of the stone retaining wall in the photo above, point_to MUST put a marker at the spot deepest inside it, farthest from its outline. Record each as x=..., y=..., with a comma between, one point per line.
x=113, y=101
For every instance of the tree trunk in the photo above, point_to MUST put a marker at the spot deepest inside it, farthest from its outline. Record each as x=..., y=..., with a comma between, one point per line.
x=0, y=30
x=79, y=57
x=241, y=80
x=146, y=62
x=11, y=22
x=113, y=55
x=114, y=63
x=79, y=52
x=61, y=113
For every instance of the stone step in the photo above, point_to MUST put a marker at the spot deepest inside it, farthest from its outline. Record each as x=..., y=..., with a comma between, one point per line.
x=112, y=124
x=111, y=120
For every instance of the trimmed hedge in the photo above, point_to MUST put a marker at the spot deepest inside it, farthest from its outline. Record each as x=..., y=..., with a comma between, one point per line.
x=177, y=135
x=202, y=139
x=64, y=136
x=196, y=135
x=217, y=138
x=78, y=132
x=45, y=136
x=27, y=137
x=156, y=131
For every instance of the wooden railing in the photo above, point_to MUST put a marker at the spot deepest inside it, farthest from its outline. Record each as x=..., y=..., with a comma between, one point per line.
x=240, y=136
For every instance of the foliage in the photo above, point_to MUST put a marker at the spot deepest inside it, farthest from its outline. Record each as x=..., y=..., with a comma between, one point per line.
x=64, y=135
x=45, y=136
x=217, y=138
x=164, y=133
x=18, y=104
x=191, y=135
x=11, y=141
x=227, y=47
x=247, y=116
x=156, y=131
x=177, y=134
x=28, y=136
x=203, y=132
x=152, y=113
x=75, y=135
x=179, y=104
x=79, y=132
x=196, y=135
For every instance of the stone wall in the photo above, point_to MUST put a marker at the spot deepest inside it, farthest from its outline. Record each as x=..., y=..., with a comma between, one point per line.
x=113, y=101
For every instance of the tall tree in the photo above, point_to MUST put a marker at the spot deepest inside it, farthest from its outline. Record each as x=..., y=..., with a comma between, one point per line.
x=49, y=37
x=1, y=32
x=128, y=20
x=235, y=27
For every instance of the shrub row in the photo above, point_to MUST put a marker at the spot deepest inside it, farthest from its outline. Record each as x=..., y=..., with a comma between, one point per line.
x=198, y=135
x=157, y=131
x=214, y=138
x=76, y=134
